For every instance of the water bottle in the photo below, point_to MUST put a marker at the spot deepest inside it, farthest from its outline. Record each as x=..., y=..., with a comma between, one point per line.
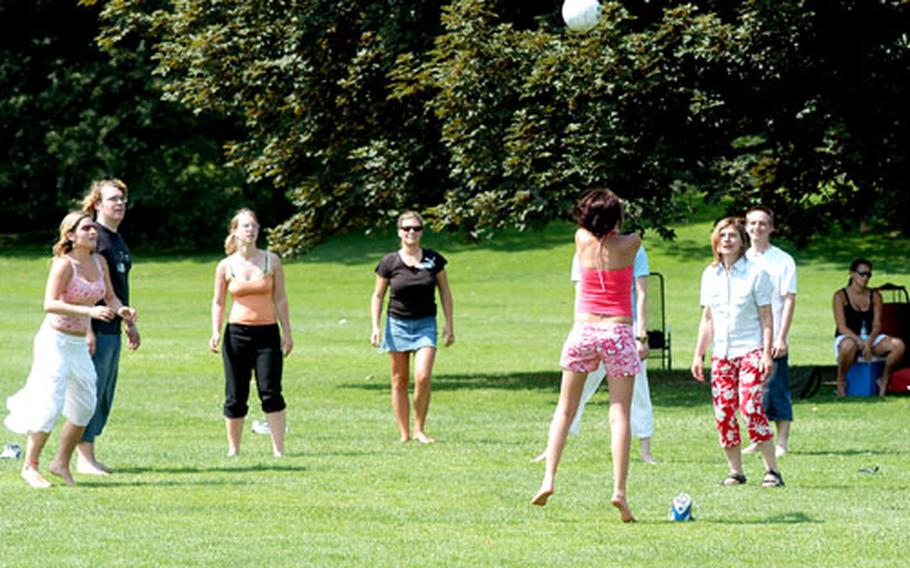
x=864, y=337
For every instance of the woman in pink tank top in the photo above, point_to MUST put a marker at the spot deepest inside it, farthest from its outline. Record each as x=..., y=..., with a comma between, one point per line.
x=602, y=333
x=62, y=379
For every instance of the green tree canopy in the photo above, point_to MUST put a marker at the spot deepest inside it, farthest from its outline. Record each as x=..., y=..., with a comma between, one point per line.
x=489, y=114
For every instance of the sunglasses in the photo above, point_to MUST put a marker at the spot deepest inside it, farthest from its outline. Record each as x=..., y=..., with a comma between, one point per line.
x=411, y=228
x=864, y=274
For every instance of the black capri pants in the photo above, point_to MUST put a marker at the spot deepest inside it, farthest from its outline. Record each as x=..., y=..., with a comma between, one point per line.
x=245, y=348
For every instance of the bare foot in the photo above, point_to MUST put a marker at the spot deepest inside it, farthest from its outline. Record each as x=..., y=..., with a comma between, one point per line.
x=841, y=391
x=540, y=458
x=233, y=452
x=882, y=386
x=62, y=472
x=86, y=468
x=541, y=498
x=648, y=458
x=34, y=478
x=423, y=438
x=404, y=439
x=624, y=512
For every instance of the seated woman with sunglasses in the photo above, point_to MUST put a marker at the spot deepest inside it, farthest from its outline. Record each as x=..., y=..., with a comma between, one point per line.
x=858, y=314
x=412, y=274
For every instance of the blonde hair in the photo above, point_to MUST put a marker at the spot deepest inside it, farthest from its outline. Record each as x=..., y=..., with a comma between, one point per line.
x=68, y=225
x=737, y=224
x=230, y=247
x=93, y=197
x=409, y=215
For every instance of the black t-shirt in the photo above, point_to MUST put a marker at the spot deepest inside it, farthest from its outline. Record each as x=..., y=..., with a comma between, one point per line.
x=412, y=289
x=117, y=255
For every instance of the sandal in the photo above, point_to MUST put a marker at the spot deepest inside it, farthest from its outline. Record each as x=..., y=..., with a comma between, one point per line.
x=733, y=479
x=772, y=479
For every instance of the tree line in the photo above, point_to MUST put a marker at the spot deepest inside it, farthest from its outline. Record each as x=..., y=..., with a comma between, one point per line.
x=483, y=115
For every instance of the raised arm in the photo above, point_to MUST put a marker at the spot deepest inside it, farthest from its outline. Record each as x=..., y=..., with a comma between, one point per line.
x=281, y=305
x=218, y=300
x=445, y=296
x=382, y=284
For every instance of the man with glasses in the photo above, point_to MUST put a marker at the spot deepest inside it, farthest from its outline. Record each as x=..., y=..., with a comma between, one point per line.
x=106, y=201
x=782, y=269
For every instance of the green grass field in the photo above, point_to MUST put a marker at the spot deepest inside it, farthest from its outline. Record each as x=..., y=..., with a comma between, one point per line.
x=349, y=495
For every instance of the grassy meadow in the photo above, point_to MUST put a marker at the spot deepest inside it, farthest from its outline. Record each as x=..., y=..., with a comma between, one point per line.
x=349, y=495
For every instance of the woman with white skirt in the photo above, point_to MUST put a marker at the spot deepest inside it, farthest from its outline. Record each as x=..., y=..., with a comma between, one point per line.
x=62, y=379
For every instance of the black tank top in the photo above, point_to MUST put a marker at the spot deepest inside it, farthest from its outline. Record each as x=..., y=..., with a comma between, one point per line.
x=856, y=318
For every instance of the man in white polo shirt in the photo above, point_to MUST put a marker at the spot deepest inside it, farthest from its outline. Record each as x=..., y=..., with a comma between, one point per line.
x=782, y=269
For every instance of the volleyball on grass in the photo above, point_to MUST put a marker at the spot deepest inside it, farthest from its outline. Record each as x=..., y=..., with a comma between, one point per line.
x=581, y=15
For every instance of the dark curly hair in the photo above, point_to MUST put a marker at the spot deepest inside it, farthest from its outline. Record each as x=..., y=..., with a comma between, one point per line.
x=599, y=211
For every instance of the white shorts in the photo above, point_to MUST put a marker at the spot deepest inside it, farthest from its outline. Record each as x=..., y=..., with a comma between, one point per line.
x=62, y=380
x=837, y=340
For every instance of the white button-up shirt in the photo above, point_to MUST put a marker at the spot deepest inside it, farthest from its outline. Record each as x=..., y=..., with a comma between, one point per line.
x=734, y=297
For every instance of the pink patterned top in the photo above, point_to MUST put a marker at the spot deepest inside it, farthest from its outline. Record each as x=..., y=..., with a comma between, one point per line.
x=81, y=292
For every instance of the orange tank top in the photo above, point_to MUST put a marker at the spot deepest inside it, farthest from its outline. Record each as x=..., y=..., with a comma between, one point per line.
x=253, y=300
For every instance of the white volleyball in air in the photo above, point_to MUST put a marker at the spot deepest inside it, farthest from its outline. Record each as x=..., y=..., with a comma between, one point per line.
x=581, y=15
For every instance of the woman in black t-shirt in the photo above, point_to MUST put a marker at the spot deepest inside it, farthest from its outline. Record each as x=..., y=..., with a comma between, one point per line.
x=858, y=315
x=413, y=274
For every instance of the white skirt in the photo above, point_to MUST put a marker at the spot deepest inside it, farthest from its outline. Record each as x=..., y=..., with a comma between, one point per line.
x=62, y=380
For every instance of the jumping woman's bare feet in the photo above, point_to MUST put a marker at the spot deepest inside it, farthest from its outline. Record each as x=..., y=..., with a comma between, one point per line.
x=423, y=438
x=33, y=477
x=541, y=498
x=62, y=472
x=625, y=513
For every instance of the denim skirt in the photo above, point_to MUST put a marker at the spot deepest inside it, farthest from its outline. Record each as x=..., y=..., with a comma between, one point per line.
x=409, y=334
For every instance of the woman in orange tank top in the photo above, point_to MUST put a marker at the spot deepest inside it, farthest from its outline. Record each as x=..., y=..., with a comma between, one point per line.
x=602, y=332
x=253, y=341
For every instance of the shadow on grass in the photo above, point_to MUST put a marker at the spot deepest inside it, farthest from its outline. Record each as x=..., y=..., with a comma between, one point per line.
x=542, y=380
x=794, y=518
x=211, y=469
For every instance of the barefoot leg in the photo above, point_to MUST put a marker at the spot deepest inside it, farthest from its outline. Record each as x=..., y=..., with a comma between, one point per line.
x=423, y=369
x=620, y=402
x=70, y=435
x=569, y=397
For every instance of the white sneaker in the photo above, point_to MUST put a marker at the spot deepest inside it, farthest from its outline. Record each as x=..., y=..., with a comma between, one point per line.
x=261, y=427
x=751, y=448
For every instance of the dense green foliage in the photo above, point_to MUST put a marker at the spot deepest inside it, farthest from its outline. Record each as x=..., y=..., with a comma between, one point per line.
x=484, y=114
x=348, y=495
x=487, y=114
x=70, y=114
